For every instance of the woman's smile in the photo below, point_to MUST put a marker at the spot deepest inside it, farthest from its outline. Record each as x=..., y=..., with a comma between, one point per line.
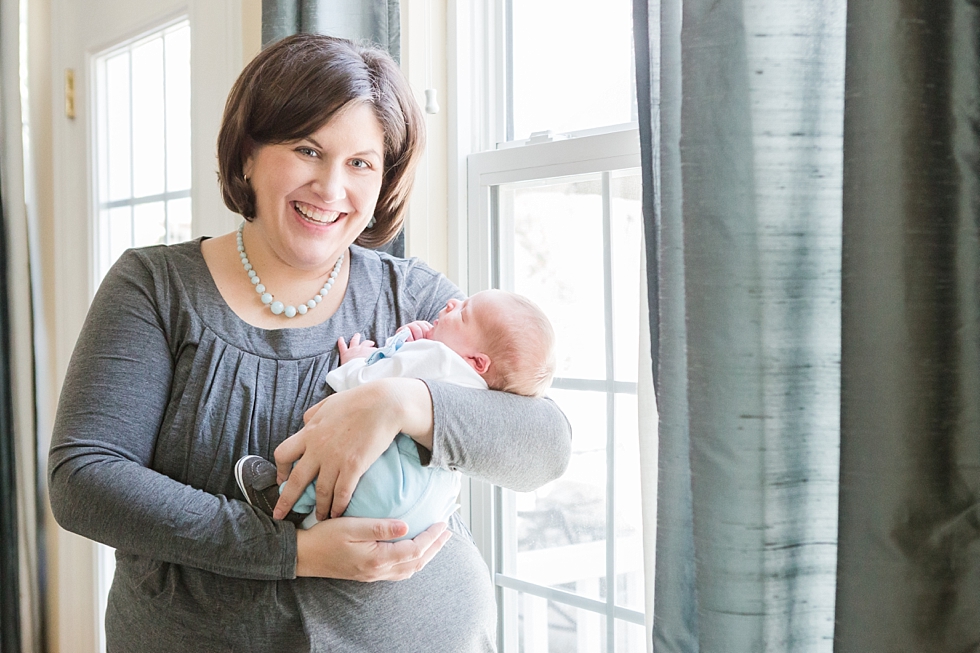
x=316, y=215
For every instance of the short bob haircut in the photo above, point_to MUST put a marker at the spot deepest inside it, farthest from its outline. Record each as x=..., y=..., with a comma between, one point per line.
x=294, y=87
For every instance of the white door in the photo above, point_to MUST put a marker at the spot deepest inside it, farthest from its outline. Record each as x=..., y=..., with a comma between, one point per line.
x=83, y=31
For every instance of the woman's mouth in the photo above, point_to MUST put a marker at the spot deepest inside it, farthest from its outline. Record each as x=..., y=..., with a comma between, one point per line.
x=315, y=215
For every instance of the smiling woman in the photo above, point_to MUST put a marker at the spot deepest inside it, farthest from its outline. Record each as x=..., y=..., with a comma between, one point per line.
x=191, y=372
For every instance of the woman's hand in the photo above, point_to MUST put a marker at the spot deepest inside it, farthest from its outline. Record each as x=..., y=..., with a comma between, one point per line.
x=344, y=434
x=350, y=548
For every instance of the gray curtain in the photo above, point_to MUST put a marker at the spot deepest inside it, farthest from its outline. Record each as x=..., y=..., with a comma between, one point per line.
x=909, y=560
x=744, y=224
x=377, y=21
x=374, y=21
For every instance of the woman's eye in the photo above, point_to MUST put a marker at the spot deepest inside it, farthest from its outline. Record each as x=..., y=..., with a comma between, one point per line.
x=360, y=163
x=307, y=151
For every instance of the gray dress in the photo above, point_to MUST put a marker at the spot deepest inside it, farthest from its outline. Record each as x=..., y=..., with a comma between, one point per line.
x=167, y=388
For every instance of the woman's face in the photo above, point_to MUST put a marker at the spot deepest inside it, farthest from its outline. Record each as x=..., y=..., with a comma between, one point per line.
x=314, y=196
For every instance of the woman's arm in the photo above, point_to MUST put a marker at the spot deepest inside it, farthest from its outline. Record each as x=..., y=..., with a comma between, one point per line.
x=113, y=401
x=518, y=442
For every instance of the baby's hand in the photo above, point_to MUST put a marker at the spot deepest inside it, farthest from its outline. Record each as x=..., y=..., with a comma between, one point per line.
x=356, y=349
x=419, y=330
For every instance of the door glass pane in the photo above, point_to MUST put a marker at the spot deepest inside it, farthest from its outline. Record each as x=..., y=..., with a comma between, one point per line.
x=179, y=220
x=572, y=65
x=149, y=224
x=148, y=119
x=116, y=128
x=177, y=50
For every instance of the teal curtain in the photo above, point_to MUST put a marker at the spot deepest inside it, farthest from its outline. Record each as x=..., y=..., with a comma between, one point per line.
x=813, y=219
x=909, y=570
x=743, y=156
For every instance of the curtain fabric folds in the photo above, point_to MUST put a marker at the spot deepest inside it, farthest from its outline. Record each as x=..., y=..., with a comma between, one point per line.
x=377, y=21
x=746, y=229
x=909, y=558
x=816, y=232
x=22, y=599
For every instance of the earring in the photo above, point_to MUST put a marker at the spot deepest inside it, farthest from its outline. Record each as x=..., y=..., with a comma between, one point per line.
x=245, y=177
x=371, y=223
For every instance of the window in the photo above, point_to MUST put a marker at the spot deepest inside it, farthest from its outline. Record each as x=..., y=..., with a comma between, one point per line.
x=554, y=213
x=143, y=114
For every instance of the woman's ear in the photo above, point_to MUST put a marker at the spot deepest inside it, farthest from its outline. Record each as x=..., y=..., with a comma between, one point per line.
x=479, y=362
x=248, y=149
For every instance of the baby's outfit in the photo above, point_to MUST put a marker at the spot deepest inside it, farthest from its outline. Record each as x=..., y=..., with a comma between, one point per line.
x=398, y=485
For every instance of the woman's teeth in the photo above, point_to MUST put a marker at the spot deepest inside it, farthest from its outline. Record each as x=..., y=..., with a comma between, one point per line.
x=315, y=215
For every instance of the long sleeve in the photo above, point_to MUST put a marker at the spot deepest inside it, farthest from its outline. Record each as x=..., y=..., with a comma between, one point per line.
x=114, y=400
x=518, y=442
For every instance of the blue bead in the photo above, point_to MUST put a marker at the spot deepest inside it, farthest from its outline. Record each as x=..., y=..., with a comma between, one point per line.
x=301, y=309
x=311, y=303
x=290, y=311
x=277, y=307
x=266, y=298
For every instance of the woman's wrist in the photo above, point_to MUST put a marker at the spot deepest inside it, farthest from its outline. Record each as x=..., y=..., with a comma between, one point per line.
x=412, y=402
x=302, y=553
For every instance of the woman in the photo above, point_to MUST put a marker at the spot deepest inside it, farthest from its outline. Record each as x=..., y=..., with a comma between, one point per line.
x=187, y=362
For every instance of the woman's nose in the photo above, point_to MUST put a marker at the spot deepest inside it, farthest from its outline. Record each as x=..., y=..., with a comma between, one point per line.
x=330, y=186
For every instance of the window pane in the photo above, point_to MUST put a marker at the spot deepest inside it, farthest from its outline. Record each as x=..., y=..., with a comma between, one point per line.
x=148, y=224
x=117, y=125
x=630, y=638
x=550, y=627
x=627, y=239
x=148, y=124
x=629, y=515
x=572, y=65
x=562, y=526
x=178, y=91
x=557, y=249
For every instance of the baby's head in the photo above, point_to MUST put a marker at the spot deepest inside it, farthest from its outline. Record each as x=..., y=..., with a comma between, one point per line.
x=505, y=337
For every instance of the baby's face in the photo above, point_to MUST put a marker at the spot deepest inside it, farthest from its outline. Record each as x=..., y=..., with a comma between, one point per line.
x=460, y=326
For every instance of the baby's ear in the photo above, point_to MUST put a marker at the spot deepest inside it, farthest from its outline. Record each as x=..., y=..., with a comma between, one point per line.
x=479, y=362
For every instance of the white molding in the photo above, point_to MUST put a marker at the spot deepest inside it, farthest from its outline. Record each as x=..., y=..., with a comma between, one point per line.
x=216, y=61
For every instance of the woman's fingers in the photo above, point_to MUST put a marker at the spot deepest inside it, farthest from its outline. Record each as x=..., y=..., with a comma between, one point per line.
x=303, y=473
x=288, y=452
x=410, y=556
x=343, y=490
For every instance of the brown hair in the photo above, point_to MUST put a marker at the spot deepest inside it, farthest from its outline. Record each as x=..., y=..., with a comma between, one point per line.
x=294, y=87
x=521, y=345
